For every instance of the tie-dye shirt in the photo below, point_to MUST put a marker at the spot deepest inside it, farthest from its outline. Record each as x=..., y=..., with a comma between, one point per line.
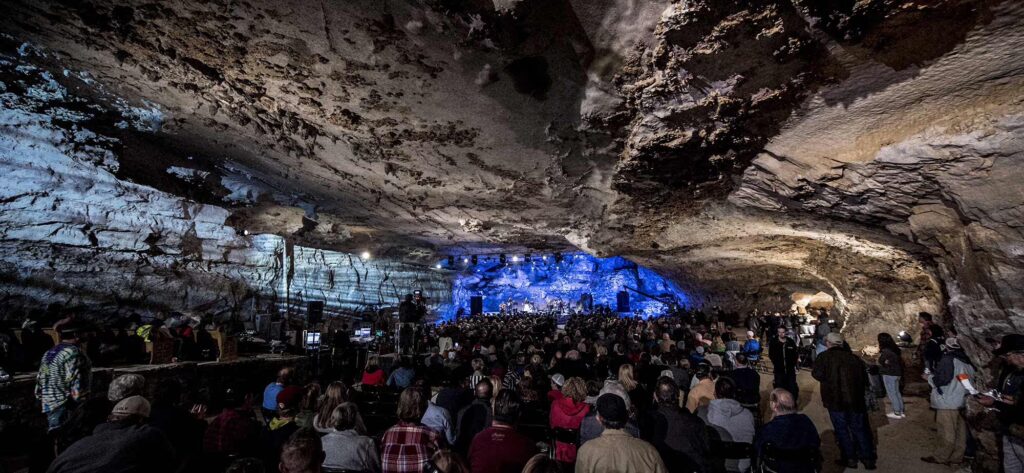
x=64, y=373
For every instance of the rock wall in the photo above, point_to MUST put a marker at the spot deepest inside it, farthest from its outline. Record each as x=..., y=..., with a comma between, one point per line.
x=73, y=231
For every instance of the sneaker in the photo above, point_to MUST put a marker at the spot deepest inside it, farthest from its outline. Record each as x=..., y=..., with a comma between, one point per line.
x=893, y=415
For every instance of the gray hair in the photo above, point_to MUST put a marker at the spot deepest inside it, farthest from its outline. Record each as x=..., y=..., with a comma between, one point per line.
x=125, y=386
x=783, y=401
x=616, y=388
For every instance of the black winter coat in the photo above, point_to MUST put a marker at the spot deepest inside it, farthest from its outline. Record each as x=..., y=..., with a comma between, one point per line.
x=844, y=380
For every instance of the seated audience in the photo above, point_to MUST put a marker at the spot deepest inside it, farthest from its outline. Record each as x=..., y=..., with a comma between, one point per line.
x=679, y=436
x=234, y=432
x=124, y=443
x=790, y=437
x=591, y=427
x=748, y=383
x=703, y=392
x=615, y=450
x=499, y=448
x=402, y=376
x=730, y=420
x=334, y=396
x=302, y=453
x=474, y=417
x=284, y=378
x=281, y=427
x=373, y=376
x=344, y=447
x=408, y=445
x=567, y=414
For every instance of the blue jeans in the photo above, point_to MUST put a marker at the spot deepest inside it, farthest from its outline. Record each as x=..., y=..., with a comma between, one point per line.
x=56, y=418
x=853, y=434
x=892, y=389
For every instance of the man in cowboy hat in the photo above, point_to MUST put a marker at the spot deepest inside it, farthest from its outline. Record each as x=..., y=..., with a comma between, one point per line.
x=1009, y=402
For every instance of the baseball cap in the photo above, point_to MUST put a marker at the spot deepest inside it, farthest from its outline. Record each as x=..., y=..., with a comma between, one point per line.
x=612, y=408
x=290, y=396
x=558, y=379
x=132, y=405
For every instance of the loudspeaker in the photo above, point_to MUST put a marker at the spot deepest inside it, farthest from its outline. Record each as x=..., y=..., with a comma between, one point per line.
x=315, y=312
x=587, y=300
x=476, y=305
x=622, y=302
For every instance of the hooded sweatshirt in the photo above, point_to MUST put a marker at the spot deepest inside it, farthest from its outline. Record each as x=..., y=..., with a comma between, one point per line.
x=567, y=414
x=733, y=423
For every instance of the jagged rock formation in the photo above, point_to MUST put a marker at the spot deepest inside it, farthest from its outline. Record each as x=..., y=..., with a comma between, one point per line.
x=750, y=149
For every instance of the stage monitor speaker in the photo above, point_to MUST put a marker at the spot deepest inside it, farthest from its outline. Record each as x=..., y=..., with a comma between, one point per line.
x=476, y=305
x=315, y=312
x=622, y=302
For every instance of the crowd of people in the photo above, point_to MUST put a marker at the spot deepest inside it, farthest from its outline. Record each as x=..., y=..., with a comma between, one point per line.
x=522, y=394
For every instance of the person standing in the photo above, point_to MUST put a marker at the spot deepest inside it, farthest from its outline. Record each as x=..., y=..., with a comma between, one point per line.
x=783, y=353
x=64, y=378
x=890, y=366
x=1009, y=401
x=821, y=330
x=948, y=399
x=844, y=379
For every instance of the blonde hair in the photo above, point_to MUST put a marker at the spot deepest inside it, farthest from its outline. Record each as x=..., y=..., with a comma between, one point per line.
x=626, y=377
x=373, y=362
x=575, y=388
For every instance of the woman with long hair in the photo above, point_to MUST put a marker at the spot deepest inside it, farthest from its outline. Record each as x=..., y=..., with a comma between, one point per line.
x=566, y=416
x=335, y=394
x=638, y=396
x=307, y=409
x=373, y=375
x=890, y=366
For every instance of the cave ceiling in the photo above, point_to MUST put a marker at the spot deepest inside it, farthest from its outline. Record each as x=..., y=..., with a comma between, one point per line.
x=815, y=141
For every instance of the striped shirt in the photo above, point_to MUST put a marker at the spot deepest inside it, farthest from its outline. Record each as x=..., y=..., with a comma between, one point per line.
x=65, y=373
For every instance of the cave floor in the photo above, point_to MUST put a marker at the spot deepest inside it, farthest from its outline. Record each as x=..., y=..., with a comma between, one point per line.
x=900, y=443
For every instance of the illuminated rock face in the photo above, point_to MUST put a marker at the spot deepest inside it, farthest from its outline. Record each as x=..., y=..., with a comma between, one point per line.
x=561, y=284
x=747, y=150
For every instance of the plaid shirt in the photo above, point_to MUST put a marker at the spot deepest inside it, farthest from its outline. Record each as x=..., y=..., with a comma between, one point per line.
x=65, y=373
x=407, y=447
x=232, y=433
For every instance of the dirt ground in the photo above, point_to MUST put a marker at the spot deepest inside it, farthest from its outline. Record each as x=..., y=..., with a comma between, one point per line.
x=900, y=443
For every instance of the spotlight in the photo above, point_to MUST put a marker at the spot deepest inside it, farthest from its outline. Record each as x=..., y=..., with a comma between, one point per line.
x=365, y=255
x=438, y=266
x=245, y=232
x=515, y=259
x=465, y=260
x=545, y=257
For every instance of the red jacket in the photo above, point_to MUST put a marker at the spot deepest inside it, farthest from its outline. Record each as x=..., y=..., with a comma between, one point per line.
x=567, y=414
x=374, y=379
